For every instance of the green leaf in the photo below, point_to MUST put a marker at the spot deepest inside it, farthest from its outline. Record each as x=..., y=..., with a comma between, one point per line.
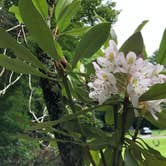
x=130, y=118
x=140, y=27
x=152, y=156
x=101, y=19
x=99, y=139
x=96, y=132
x=95, y=155
x=60, y=6
x=160, y=123
x=42, y=7
x=7, y=41
x=91, y=42
x=100, y=143
x=82, y=94
x=144, y=53
x=65, y=18
x=63, y=119
x=136, y=153
x=71, y=126
x=161, y=57
x=134, y=43
x=37, y=27
x=156, y=92
x=15, y=10
x=109, y=117
x=59, y=49
x=114, y=36
x=104, y=108
x=155, y=153
x=77, y=31
x=18, y=66
x=151, y=161
x=128, y=159
x=108, y=156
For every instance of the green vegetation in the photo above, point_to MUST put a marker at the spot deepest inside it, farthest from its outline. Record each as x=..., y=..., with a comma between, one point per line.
x=157, y=140
x=68, y=100
x=158, y=132
x=158, y=144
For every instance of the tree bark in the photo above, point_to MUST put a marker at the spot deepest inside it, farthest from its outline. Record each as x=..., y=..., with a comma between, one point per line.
x=70, y=153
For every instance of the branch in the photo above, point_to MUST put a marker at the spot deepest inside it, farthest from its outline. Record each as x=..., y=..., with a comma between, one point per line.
x=13, y=28
x=36, y=119
x=11, y=83
x=139, y=120
x=3, y=69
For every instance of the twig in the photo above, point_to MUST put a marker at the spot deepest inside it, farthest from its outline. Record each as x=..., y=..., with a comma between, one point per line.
x=3, y=69
x=36, y=119
x=139, y=120
x=24, y=35
x=2, y=72
x=13, y=28
x=30, y=100
x=3, y=91
x=18, y=36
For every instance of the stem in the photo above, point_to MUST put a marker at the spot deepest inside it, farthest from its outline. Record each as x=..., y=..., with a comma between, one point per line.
x=118, y=150
x=66, y=85
x=115, y=116
x=103, y=158
x=13, y=28
x=65, y=81
x=139, y=120
x=116, y=157
x=124, y=118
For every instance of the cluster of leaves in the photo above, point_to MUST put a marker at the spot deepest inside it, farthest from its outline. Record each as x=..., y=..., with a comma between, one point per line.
x=21, y=152
x=14, y=107
x=101, y=137
x=6, y=4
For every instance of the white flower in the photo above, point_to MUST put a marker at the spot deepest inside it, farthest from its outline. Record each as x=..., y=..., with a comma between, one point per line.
x=131, y=58
x=157, y=69
x=101, y=90
x=111, y=51
x=121, y=64
x=103, y=86
x=134, y=97
x=154, y=107
x=138, y=75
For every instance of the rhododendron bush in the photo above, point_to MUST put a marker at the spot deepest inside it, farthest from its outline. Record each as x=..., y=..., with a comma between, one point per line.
x=100, y=79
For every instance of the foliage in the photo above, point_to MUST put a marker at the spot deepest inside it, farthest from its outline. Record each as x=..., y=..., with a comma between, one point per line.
x=158, y=144
x=14, y=118
x=6, y=19
x=8, y=3
x=90, y=10
x=90, y=132
x=162, y=50
x=20, y=153
x=14, y=106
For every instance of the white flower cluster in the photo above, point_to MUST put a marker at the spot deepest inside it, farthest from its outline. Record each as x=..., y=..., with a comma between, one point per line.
x=139, y=76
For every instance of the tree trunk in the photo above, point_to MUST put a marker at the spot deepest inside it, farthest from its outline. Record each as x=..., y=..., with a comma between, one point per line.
x=71, y=154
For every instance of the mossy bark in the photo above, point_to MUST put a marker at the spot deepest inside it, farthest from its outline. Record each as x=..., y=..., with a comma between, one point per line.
x=71, y=154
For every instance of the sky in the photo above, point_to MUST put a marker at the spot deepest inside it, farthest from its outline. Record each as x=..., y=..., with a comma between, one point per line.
x=133, y=12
